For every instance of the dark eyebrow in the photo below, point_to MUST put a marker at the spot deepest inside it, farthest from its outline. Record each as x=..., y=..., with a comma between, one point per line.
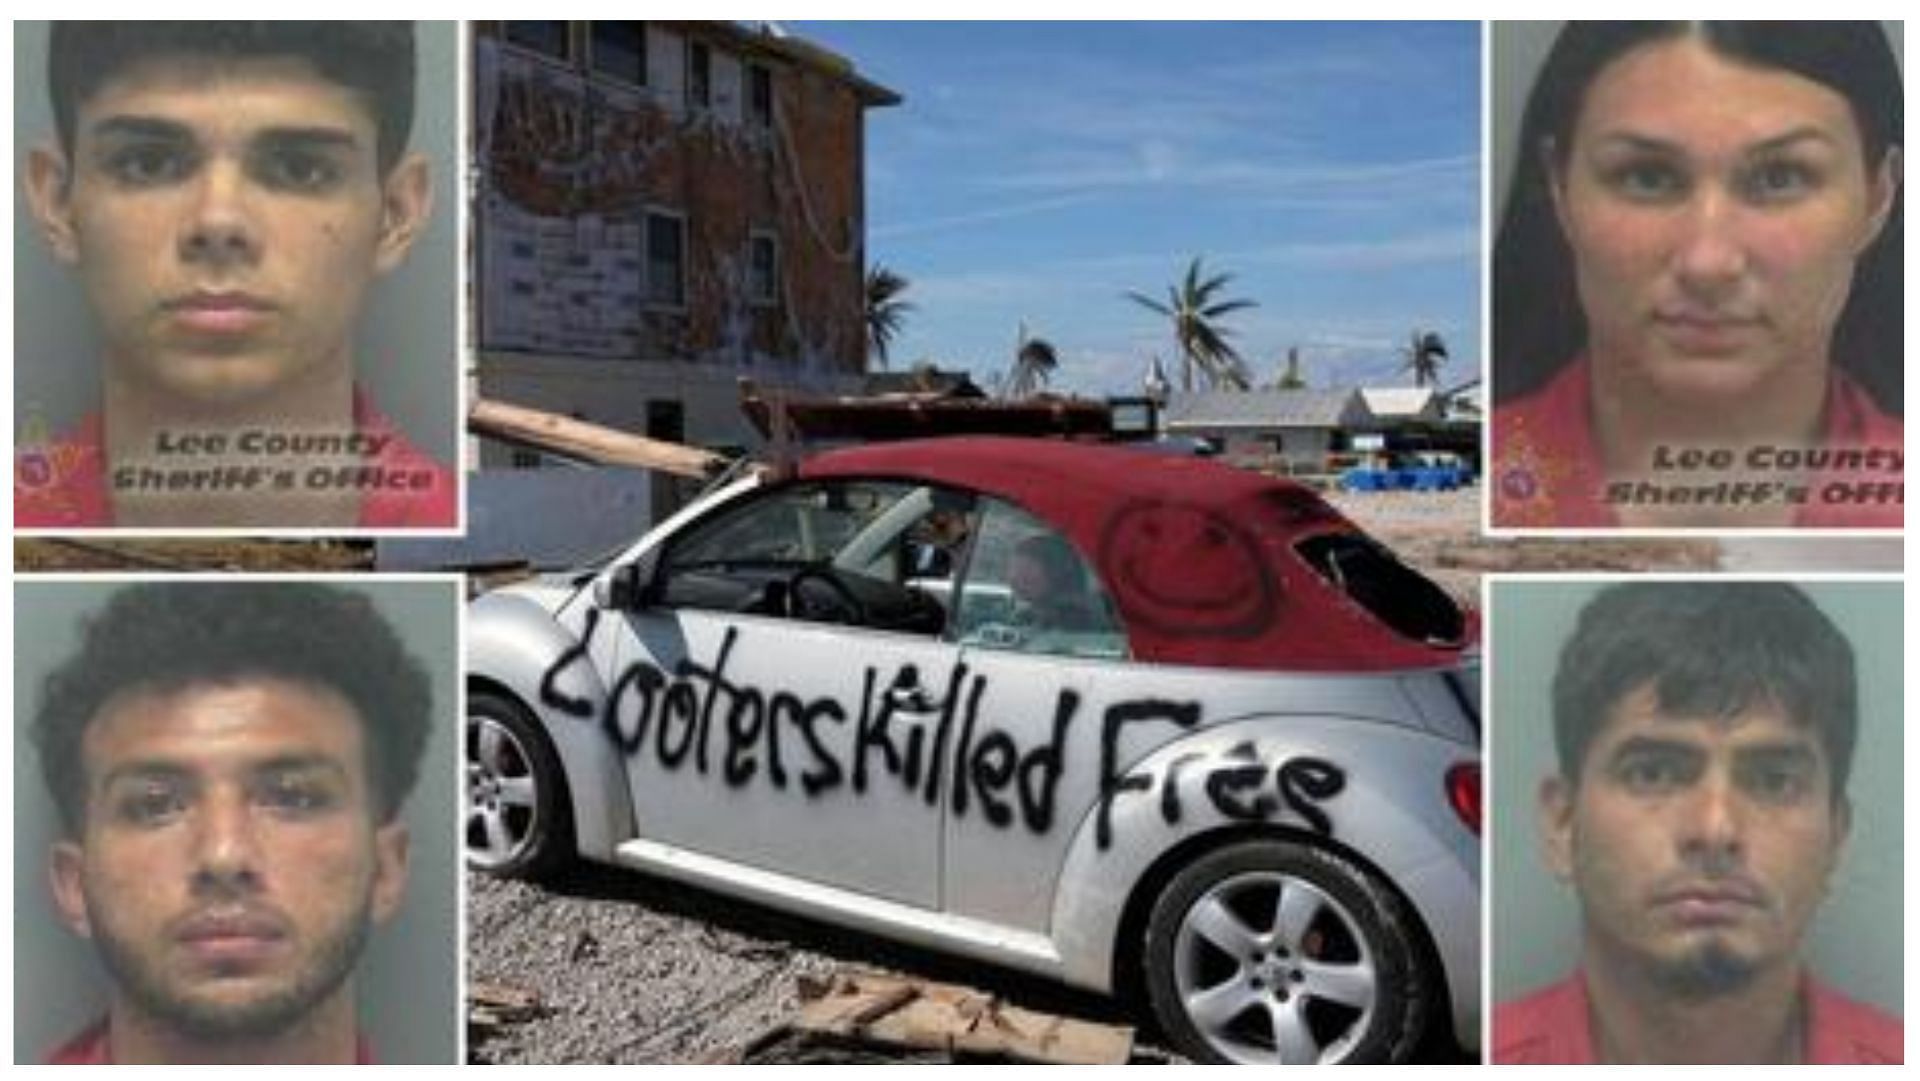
x=1651, y=745
x=1797, y=135
x=307, y=139
x=142, y=127
x=1791, y=753
x=299, y=763
x=145, y=771
x=1645, y=144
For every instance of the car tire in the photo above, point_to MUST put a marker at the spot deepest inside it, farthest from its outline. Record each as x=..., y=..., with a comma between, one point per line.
x=1277, y=952
x=519, y=819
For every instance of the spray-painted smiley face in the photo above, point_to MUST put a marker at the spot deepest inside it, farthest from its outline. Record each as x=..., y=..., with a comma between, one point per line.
x=1180, y=569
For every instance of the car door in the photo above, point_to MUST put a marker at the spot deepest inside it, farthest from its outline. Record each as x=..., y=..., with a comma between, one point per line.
x=1044, y=669
x=765, y=726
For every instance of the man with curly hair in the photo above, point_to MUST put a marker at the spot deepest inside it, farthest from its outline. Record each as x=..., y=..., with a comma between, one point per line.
x=229, y=761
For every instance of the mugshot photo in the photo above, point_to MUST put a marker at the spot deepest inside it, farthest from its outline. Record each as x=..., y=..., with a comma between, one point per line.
x=1697, y=270
x=236, y=276
x=235, y=834
x=1696, y=821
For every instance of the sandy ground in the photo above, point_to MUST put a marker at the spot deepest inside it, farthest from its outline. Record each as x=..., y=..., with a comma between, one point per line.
x=1438, y=532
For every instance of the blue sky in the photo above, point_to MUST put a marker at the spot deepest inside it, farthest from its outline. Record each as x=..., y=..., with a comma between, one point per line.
x=1037, y=171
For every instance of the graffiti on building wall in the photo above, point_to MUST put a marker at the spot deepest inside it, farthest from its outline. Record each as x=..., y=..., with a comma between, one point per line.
x=570, y=167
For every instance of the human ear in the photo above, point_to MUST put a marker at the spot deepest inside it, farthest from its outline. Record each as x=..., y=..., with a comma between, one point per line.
x=1842, y=821
x=1556, y=182
x=1555, y=811
x=390, y=845
x=49, y=184
x=1882, y=188
x=65, y=863
x=406, y=202
x=1842, y=815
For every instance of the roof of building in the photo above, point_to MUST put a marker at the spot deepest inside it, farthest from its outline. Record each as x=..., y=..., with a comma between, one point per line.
x=1266, y=409
x=773, y=40
x=1402, y=403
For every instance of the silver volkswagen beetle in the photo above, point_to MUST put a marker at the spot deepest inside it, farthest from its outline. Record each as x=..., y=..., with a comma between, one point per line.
x=1147, y=725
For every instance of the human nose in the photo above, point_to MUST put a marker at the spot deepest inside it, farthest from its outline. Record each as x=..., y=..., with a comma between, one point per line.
x=1713, y=834
x=226, y=848
x=1710, y=256
x=219, y=228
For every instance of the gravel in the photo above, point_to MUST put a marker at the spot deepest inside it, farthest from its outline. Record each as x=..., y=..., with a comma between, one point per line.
x=633, y=969
x=622, y=973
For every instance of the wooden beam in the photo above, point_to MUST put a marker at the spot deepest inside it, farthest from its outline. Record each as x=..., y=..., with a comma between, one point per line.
x=903, y=1012
x=589, y=442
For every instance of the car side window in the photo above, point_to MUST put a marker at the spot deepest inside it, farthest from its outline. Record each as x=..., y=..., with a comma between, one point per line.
x=1027, y=589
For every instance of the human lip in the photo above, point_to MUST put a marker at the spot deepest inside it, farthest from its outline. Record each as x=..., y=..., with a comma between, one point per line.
x=1710, y=903
x=226, y=937
x=218, y=313
x=1705, y=333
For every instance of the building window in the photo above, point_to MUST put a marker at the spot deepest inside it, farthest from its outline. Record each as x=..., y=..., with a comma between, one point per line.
x=760, y=95
x=666, y=260
x=763, y=268
x=547, y=38
x=699, y=75
x=620, y=50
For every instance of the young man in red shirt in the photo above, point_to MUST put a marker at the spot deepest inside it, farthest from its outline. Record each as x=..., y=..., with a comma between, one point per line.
x=227, y=194
x=1705, y=733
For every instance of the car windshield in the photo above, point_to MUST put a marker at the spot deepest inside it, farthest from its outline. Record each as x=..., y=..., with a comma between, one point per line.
x=804, y=524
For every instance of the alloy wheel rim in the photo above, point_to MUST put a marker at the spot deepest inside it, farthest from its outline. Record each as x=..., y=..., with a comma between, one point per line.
x=502, y=809
x=1271, y=969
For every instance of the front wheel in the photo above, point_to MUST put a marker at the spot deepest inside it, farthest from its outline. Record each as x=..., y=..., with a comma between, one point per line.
x=519, y=822
x=1275, y=952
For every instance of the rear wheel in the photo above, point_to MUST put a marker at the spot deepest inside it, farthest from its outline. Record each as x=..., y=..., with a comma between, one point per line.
x=1275, y=952
x=519, y=821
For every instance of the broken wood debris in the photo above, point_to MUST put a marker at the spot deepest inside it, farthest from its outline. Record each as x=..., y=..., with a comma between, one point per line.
x=582, y=441
x=491, y=1006
x=876, y=1008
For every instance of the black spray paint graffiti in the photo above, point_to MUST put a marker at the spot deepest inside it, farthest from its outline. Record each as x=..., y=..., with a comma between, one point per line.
x=698, y=718
x=1234, y=783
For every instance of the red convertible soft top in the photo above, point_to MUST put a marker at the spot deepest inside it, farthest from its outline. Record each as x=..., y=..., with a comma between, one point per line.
x=1208, y=564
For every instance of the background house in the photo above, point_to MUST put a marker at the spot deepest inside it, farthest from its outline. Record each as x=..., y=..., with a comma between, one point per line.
x=659, y=209
x=1297, y=428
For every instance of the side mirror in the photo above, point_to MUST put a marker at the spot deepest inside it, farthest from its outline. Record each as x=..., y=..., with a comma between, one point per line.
x=627, y=587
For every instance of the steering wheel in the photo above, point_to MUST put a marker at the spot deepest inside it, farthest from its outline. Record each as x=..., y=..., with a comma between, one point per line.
x=844, y=605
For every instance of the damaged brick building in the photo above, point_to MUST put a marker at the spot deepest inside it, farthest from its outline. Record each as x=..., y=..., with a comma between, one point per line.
x=660, y=209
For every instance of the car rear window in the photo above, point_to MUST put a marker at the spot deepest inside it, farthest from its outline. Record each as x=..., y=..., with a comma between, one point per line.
x=1395, y=594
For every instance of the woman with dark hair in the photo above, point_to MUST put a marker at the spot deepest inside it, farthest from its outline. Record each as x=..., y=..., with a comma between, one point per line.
x=1697, y=281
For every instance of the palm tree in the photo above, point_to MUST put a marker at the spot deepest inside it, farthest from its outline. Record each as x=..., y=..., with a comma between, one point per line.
x=1425, y=353
x=1034, y=362
x=885, y=309
x=1195, y=309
